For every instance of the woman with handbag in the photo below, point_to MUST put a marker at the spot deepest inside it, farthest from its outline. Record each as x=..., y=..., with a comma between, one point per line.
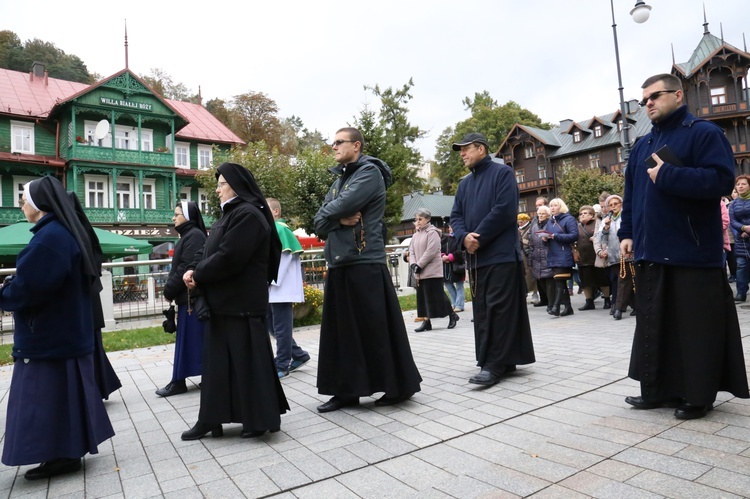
x=425, y=261
x=562, y=233
x=233, y=271
x=188, y=222
x=454, y=270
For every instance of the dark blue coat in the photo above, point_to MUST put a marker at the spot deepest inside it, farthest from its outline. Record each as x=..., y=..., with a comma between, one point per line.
x=50, y=296
x=565, y=229
x=677, y=220
x=486, y=202
x=739, y=215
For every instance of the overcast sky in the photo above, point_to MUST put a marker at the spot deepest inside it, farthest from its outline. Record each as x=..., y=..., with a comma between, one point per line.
x=313, y=57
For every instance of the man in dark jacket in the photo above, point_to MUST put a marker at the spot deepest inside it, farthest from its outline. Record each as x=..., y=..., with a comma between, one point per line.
x=687, y=343
x=484, y=219
x=363, y=344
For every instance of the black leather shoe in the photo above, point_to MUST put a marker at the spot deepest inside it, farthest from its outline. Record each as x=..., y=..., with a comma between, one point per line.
x=52, y=468
x=485, y=378
x=453, y=320
x=689, y=411
x=426, y=326
x=200, y=430
x=255, y=433
x=617, y=315
x=641, y=403
x=540, y=303
x=740, y=297
x=173, y=388
x=589, y=305
x=337, y=403
x=385, y=401
x=566, y=310
x=607, y=303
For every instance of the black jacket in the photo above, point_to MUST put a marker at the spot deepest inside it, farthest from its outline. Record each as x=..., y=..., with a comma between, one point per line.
x=191, y=241
x=232, y=269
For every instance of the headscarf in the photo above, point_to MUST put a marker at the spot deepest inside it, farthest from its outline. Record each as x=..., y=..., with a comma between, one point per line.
x=243, y=183
x=192, y=214
x=50, y=196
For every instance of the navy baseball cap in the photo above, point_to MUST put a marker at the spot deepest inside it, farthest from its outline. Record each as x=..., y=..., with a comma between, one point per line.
x=471, y=138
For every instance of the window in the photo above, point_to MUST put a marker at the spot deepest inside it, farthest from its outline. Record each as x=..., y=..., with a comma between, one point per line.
x=529, y=150
x=519, y=176
x=577, y=136
x=126, y=137
x=22, y=137
x=598, y=131
x=147, y=195
x=182, y=155
x=594, y=160
x=619, y=125
x=541, y=171
x=205, y=157
x=97, y=191
x=124, y=192
x=18, y=183
x=203, y=200
x=522, y=206
x=185, y=194
x=620, y=155
x=718, y=96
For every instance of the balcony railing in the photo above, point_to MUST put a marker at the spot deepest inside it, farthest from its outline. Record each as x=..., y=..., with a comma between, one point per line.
x=107, y=154
x=535, y=184
x=117, y=215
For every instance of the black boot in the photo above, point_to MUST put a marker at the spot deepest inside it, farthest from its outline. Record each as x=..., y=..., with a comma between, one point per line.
x=452, y=321
x=589, y=305
x=426, y=326
x=565, y=307
x=200, y=430
x=607, y=303
x=559, y=292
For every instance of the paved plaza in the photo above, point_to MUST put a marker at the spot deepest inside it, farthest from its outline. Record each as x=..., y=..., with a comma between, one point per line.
x=556, y=428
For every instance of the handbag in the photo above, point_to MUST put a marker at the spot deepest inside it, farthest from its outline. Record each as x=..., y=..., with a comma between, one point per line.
x=169, y=324
x=198, y=305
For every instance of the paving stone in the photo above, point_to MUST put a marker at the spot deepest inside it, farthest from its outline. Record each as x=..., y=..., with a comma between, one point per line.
x=615, y=470
x=666, y=464
x=373, y=482
x=717, y=442
x=670, y=486
x=736, y=483
x=141, y=486
x=717, y=459
x=414, y=472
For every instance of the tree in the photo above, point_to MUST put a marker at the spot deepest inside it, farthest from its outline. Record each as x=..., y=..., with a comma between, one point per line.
x=162, y=83
x=390, y=137
x=253, y=117
x=487, y=117
x=580, y=187
x=20, y=57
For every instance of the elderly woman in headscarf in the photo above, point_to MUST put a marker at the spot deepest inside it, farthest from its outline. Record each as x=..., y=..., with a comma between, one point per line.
x=55, y=411
x=427, y=264
x=188, y=222
x=233, y=272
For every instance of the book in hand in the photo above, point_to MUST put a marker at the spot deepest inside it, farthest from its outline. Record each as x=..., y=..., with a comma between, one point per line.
x=665, y=154
x=543, y=232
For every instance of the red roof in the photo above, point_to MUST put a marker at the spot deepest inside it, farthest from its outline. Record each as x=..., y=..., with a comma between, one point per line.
x=21, y=95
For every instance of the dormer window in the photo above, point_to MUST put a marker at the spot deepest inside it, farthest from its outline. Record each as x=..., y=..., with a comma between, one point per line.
x=598, y=131
x=577, y=136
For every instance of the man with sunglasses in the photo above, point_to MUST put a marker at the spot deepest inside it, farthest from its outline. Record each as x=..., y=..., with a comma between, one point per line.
x=363, y=344
x=687, y=343
x=484, y=221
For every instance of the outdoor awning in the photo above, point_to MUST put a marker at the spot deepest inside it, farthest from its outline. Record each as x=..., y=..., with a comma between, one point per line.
x=16, y=237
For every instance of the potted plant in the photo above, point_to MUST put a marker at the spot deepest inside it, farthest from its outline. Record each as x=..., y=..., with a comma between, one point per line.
x=162, y=149
x=80, y=139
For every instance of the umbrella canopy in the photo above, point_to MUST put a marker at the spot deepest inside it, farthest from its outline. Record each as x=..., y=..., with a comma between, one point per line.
x=16, y=237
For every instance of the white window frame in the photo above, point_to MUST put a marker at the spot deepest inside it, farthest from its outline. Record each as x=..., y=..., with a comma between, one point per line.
x=130, y=193
x=148, y=198
x=178, y=147
x=87, y=179
x=577, y=136
x=594, y=160
x=89, y=133
x=203, y=201
x=522, y=206
x=18, y=182
x=541, y=171
x=520, y=175
x=18, y=131
x=185, y=194
x=529, y=151
x=204, y=151
x=598, y=131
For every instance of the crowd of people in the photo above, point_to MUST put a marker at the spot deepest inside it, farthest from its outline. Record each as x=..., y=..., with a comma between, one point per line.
x=687, y=344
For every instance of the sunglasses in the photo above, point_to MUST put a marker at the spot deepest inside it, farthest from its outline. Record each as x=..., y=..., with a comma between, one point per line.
x=340, y=141
x=655, y=96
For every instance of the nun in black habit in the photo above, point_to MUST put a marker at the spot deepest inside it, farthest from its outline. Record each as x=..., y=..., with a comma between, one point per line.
x=55, y=410
x=233, y=271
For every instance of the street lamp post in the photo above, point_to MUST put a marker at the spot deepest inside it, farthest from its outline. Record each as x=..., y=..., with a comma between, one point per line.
x=640, y=14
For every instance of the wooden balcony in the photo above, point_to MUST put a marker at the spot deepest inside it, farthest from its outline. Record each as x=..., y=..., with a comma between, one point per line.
x=533, y=185
x=11, y=215
x=108, y=155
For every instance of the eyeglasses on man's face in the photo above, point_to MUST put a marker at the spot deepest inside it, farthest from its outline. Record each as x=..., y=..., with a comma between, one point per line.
x=655, y=96
x=337, y=143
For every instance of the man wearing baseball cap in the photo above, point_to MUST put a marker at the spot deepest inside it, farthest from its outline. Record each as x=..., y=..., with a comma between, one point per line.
x=484, y=219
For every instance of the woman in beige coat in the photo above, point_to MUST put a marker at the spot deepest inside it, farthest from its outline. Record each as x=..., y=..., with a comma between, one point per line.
x=427, y=264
